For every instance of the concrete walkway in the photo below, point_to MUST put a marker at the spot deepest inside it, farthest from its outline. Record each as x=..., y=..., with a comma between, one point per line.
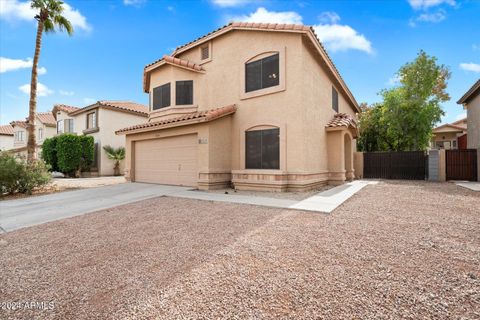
x=474, y=186
x=20, y=213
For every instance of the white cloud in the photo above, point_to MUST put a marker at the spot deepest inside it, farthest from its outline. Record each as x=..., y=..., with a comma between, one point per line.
x=66, y=93
x=329, y=17
x=134, y=2
x=42, y=90
x=337, y=37
x=461, y=116
x=393, y=81
x=425, y=4
x=474, y=67
x=434, y=17
x=230, y=3
x=89, y=101
x=13, y=10
x=476, y=47
x=262, y=15
x=7, y=65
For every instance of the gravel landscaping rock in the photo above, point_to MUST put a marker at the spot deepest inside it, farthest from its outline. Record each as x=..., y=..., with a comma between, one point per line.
x=394, y=250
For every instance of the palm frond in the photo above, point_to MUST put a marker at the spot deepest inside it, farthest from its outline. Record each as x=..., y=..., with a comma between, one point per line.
x=116, y=154
x=63, y=24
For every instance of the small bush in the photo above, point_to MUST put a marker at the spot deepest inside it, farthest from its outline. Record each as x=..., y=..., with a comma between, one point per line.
x=73, y=153
x=49, y=153
x=16, y=175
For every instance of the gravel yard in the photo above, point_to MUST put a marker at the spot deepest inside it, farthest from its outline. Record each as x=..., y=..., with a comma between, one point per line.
x=394, y=250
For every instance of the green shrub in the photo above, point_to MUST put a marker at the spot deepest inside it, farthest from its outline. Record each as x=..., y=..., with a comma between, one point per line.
x=74, y=153
x=18, y=176
x=49, y=153
x=88, y=152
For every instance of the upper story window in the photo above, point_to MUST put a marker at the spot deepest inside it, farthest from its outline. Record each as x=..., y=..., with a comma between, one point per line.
x=263, y=73
x=91, y=120
x=64, y=126
x=161, y=96
x=68, y=125
x=334, y=99
x=184, y=92
x=19, y=135
x=40, y=133
x=262, y=149
x=59, y=126
x=205, y=52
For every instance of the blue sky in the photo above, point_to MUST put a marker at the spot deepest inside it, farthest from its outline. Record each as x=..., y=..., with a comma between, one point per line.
x=115, y=39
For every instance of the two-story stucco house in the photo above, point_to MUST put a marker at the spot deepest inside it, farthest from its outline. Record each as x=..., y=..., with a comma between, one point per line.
x=471, y=102
x=259, y=106
x=100, y=120
x=6, y=137
x=44, y=128
x=450, y=135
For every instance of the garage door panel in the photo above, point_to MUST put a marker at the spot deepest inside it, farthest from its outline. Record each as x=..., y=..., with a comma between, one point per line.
x=167, y=161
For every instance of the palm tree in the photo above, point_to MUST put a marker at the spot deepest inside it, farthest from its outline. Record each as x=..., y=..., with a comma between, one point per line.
x=116, y=154
x=49, y=18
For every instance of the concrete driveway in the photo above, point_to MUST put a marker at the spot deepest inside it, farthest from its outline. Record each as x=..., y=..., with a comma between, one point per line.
x=19, y=213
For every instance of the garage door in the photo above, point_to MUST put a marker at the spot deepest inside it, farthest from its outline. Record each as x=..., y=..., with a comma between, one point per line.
x=167, y=160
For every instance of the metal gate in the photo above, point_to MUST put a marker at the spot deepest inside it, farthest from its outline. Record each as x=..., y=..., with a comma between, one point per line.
x=408, y=165
x=461, y=164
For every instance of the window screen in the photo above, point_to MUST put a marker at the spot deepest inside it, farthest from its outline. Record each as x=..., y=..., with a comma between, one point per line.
x=262, y=149
x=184, y=92
x=334, y=99
x=59, y=126
x=263, y=73
x=68, y=125
x=91, y=120
x=161, y=96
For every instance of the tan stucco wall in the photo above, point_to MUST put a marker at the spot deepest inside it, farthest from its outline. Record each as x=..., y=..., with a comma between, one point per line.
x=473, y=123
x=300, y=106
x=6, y=142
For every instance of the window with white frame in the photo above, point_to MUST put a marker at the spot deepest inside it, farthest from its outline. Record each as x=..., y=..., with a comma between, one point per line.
x=59, y=126
x=40, y=133
x=19, y=136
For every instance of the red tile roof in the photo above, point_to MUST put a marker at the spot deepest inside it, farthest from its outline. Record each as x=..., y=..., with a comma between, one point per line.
x=18, y=123
x=47, y=118
x=178, y=62
x=279, y=27
x=457, y=127
x=65, y=108
x=199, y=116
x=471, y=93
x=6, y=130
x=342, y=120
x=125, y=106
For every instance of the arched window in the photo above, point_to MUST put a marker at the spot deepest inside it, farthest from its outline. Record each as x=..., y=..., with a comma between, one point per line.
x=262, y=73
x=262, y=149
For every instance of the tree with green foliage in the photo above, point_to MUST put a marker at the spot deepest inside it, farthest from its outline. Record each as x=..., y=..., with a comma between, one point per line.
x=404, y=120
x=69, y=153
x=49, y=19
x=49, y=152
x=117, y=155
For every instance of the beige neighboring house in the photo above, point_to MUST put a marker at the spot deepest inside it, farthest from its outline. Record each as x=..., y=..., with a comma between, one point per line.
x=6, y=137
x=450, y=135
x=471, y=102
x=261, y=106
x=44, y=128
x=100, y=120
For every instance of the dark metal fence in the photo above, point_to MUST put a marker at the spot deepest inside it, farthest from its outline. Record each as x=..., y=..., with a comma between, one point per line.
x=461, y=164
x=408, y=165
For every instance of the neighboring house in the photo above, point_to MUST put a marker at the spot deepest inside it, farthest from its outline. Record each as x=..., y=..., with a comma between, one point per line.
x=261, y=106
x=100, y=120
x=450, y=135
x=471, y=102
x=44, y=128
x=6, y=137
